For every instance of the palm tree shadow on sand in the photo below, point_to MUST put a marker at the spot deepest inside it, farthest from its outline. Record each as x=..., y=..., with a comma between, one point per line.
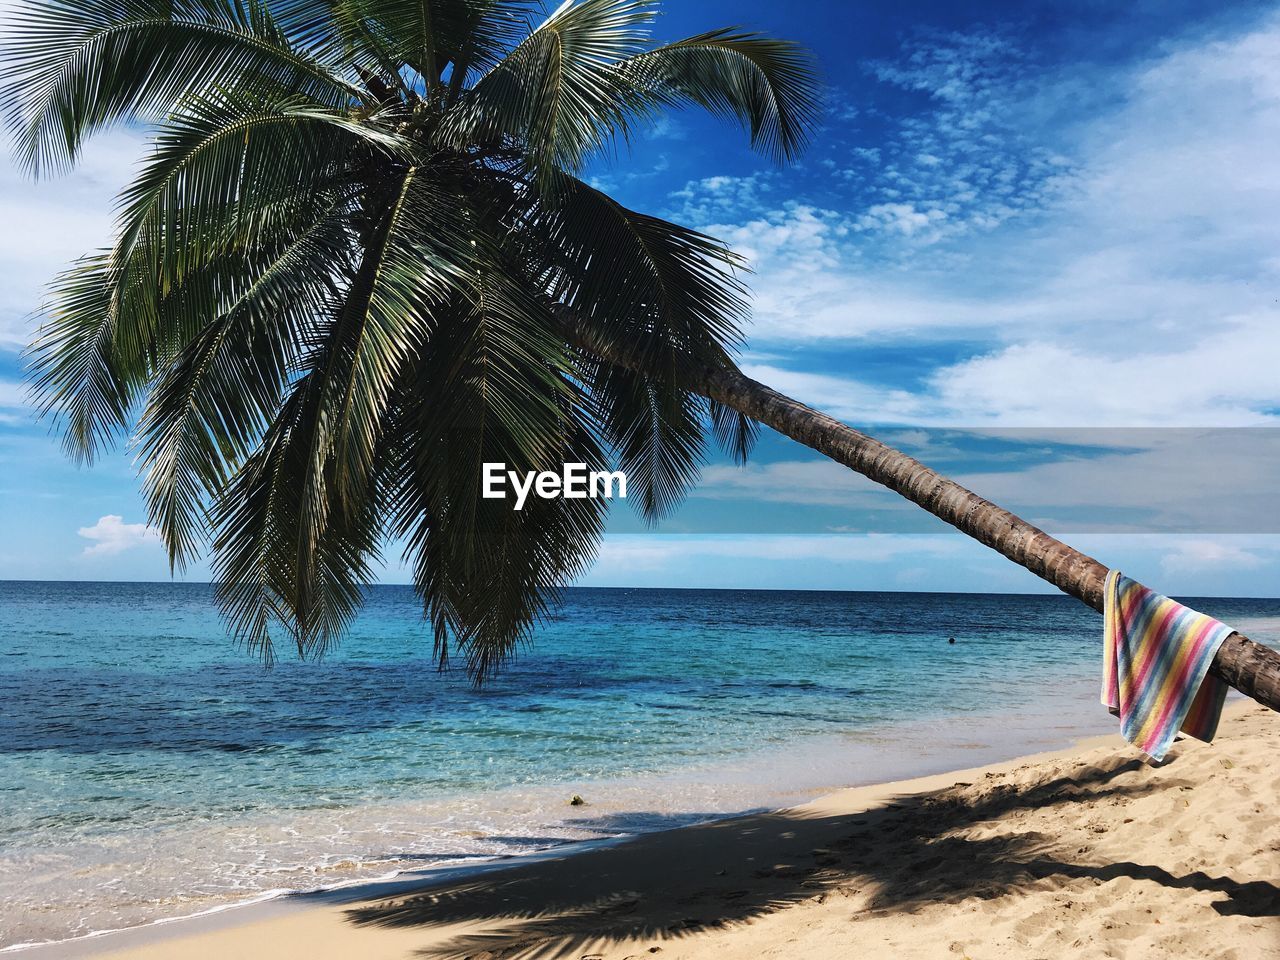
x=913, y=852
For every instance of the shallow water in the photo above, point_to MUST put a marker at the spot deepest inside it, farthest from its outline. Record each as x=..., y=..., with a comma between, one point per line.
x=149, y=770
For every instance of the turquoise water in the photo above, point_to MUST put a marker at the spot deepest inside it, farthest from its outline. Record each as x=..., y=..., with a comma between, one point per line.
x=149, y=769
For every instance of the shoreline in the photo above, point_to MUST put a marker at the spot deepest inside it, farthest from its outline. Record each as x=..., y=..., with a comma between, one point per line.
x=869, y=757
x=223, y=931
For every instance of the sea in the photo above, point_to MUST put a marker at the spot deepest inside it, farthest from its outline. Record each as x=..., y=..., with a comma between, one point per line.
x=151, y=770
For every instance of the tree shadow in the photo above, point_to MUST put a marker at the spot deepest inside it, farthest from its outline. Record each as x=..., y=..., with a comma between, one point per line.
x=897, y=858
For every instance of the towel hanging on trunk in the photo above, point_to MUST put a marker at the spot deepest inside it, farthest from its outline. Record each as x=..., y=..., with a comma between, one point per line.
x=1155, y=667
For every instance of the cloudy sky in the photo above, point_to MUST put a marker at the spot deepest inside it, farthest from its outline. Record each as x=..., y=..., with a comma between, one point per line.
x=1036, y=244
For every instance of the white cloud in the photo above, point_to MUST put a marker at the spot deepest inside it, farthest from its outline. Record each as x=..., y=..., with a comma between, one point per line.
x=60, y=218
x=904, y=219
x=656, y=552
x=1137, y=481
x=667, y=127
x=1227, y=379
x=968, y=162
x=705, y=201
x=798, y=237
x=849, y=399
x=1220, y=481
x=12, y=394
x=1200, y=556
x=1230, y=566
x=111, y=535
x=816, y=482
x=1143, y=294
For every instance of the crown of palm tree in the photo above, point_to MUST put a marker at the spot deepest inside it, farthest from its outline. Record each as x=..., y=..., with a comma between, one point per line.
x=358, y=263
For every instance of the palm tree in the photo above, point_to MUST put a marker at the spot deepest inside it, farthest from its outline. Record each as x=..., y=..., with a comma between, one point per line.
x=359, y=262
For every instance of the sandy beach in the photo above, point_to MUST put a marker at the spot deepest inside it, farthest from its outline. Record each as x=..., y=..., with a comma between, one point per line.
x=1087, y=852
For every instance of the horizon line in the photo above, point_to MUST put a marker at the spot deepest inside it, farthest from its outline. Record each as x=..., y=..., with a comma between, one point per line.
x=947, y=593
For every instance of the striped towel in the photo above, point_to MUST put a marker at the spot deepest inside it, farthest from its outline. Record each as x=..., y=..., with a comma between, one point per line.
x=1155, y=664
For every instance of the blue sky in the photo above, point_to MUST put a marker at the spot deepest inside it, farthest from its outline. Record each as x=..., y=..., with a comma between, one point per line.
x=1028, y=240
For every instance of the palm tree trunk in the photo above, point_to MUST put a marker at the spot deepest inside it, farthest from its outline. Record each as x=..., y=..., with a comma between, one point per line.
x=1249, y=667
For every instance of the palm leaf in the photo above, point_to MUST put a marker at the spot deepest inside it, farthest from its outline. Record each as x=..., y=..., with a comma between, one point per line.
x=662, y=297
x=72, y=67
x=212, y=402
x=657, y=431
x=558, y=93
x=428, y=36
x=227, y=177
x=232, y=169
x=653, y=290
x=768, y=85
x=264, y=581
x=313, y=487
x=494, y=387
x=419, y=258
x=75, y=374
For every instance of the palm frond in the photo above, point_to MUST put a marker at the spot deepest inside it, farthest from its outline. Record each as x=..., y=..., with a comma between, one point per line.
x=209, y=407
x=558, y=93
x=659, y=296
x=769, y=85
x=311, y=500
x=657, y=430
x=493, y=388
x=232, y=169
x=474, y=35
x=419, y=258
x=71, y=67
x=735, y=431
x=229, y=177
x=426, y=35
x=265, y=582
x=651, y=290
x=76, y=376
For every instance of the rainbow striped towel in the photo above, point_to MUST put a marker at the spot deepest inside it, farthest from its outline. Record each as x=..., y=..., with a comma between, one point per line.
x=1155, y=667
